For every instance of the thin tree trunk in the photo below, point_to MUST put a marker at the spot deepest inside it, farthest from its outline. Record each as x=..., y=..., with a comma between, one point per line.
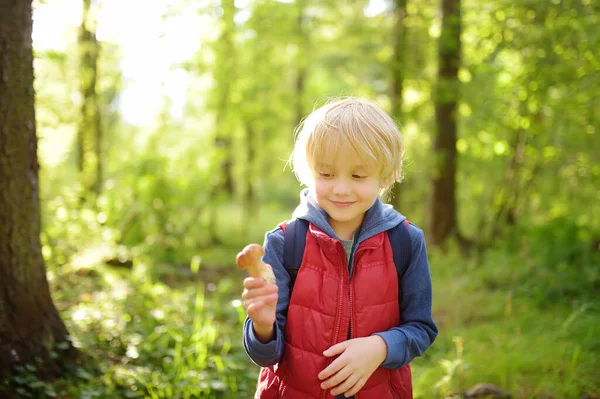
x=89, y=132
x=250, y=206
x=223, y=184
x=510, y=190
x=225, y=79
x=442, y=206
x=398, y=75
x=301, y=62
x=30, y=326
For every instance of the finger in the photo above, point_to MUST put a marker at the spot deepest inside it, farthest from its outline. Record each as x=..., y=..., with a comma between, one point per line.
x=336, y=349
x=254, y=307
x=346, y=385
x=262, y=291
x=270, y=299
x=256, y=282
x=336, y=379
x=357, y=387
x=333, y=368
x=253, y=282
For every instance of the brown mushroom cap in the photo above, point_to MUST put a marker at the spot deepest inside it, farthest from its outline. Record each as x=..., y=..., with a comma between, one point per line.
x=249, y=255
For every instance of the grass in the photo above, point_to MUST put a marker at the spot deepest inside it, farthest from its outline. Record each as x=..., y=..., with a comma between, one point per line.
x=145, y=334
x=494, y=330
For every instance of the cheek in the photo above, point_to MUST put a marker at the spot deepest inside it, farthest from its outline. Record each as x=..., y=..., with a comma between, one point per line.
x=369, y=190
x=322, y=191
x=319, y=188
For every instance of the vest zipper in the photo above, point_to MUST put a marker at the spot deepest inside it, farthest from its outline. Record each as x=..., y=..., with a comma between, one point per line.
x=350, y=294
x=351, y=318
x=351, y=310
x=353, y=267
x=338, y=321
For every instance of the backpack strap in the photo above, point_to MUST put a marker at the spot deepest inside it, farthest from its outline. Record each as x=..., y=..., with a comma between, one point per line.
x=401, y=249
x=294, y=243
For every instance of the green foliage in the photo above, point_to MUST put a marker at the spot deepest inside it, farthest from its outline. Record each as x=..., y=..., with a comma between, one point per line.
x=557, y=262
x=148, y=332
x=525, y=142
x=141, y=337
x=501, y=322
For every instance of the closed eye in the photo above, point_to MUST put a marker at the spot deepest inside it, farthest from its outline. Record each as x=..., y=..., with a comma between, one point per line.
x=358, y=177
x=324, y=174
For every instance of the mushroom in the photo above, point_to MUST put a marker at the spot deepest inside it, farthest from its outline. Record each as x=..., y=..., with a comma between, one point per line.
x=250, y=258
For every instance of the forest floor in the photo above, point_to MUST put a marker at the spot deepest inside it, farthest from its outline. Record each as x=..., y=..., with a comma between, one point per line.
x=175, y=332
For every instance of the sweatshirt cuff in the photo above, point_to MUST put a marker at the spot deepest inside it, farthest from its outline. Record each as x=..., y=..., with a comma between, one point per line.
x=396, y=343
x=255, y=345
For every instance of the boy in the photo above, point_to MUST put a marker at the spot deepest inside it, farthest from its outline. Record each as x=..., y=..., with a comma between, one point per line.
x=352, y=324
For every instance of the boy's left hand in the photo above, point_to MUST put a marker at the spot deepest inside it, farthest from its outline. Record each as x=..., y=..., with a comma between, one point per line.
x=358, y=359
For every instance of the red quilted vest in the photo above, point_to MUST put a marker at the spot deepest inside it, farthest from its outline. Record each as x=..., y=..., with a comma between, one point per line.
x=324, y=305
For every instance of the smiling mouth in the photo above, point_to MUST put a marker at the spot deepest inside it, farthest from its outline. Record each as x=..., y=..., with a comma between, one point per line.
x=342, y=204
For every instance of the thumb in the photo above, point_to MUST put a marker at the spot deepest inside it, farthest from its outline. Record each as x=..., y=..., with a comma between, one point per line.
x=336, y=349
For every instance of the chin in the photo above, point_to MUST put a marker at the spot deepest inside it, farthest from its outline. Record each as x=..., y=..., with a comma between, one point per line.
x=342, y=219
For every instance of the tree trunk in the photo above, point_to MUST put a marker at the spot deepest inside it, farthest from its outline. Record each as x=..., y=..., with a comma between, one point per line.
x=225, y=76
x=89, y=133
x=250, y=204
x=30, y=325
x=398, y=68
x=223, y=185
x=510, y=190
x=301, y=63
x=442, y=205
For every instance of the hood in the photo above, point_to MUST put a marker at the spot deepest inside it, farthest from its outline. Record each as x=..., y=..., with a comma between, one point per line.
x=380, y=217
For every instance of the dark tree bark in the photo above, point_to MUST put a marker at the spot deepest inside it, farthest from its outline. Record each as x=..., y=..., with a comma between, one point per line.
x=89, y=132
x=442, y=205
x=30, y=325
x=398, y=67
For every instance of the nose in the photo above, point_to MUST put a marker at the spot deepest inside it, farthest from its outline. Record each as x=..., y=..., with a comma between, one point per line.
x=341, y=187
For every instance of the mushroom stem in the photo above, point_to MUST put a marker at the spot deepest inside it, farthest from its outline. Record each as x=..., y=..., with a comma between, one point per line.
x=250, y=259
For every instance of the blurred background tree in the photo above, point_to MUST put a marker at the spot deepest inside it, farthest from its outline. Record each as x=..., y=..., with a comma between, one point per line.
x=211, y=119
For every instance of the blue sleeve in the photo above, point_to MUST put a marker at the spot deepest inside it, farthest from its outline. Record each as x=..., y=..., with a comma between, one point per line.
x=417, y=330
x=270, y=353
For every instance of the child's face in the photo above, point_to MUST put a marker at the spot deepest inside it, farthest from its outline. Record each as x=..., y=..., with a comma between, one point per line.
x=345, y=189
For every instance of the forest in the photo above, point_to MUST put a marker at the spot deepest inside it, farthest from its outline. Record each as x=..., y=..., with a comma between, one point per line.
x=143, y=144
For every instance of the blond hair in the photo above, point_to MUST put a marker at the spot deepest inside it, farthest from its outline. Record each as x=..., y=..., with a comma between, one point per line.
x=343, y=126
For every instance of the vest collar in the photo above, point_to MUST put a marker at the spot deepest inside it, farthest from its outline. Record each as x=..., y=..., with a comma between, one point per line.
x=333, y=246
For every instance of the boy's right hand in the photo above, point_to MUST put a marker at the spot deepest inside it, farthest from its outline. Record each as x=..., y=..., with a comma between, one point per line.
x=260, y=302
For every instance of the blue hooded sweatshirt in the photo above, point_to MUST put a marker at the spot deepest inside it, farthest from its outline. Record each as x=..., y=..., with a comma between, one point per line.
x=417, y=330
